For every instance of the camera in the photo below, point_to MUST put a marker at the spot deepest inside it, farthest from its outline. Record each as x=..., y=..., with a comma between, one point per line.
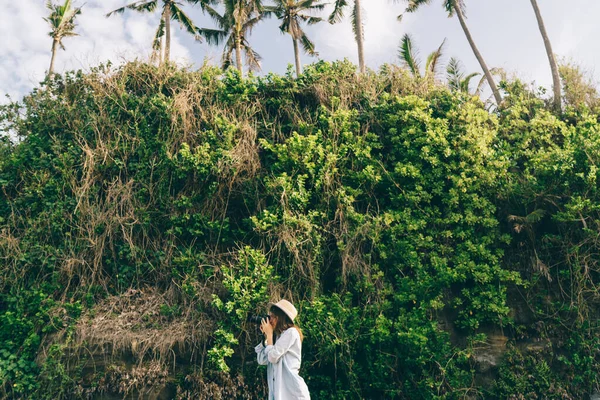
x=257, y=318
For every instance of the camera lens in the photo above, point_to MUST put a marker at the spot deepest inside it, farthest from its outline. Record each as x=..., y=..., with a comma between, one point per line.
x=257, y=319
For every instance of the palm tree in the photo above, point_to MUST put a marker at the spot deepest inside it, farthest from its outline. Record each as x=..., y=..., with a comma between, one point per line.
x=171, y=10
x=234, y=27
x=409, y=56
x=553, y=63
x=62, y=22
x=338, y=14
x=291, y=14
x=458, y=7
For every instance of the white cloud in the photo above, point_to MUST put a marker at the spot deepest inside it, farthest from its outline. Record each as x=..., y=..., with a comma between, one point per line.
x=25, y=53
x=507, y=36
x=381, y=29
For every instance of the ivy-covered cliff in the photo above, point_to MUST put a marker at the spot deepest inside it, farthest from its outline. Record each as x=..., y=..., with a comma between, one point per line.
x=434, y=248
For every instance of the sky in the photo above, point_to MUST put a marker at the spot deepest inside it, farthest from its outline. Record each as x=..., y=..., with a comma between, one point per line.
x=505, y=31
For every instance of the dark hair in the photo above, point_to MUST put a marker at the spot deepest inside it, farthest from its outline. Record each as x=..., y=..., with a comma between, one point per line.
x=284, y=322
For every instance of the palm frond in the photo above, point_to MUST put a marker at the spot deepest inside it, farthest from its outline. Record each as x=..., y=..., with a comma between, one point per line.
x=149, y=6
x=186, y=23
x=433, y=61
x=67, y=5
x=141, y=6
x=454, y=74
x=220, y=20
x=308, y=45
x=309, y=5
x=414, y=5
x=268, y=12
x=69, y=34
x=227, y=58
x=252, y=57
x=204, y=3
x=465, y=84
x=409, y=56
x=338, y=11
x=160, y=32
x=251, y=23
x=255, y=6
x=213, y=37
x=314, y=20
x=285, y=25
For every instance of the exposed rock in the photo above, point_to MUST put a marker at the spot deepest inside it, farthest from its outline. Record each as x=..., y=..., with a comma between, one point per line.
x=489, y=355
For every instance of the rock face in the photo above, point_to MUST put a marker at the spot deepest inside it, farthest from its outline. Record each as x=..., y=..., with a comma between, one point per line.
x=489, y=355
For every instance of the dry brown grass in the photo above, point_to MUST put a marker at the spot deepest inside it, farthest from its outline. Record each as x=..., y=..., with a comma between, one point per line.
x=132, y=322
x=146, y=381
x=10, y=250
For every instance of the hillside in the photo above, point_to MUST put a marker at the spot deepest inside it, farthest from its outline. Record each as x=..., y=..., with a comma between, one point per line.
x=435, y=248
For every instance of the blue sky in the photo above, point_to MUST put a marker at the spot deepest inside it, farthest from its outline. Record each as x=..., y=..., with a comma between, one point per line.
x=505, y=32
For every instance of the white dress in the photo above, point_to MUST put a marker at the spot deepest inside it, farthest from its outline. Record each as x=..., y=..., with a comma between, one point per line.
x=283, y=363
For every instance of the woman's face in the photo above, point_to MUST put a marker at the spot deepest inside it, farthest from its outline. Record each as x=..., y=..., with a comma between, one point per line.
x=272, y=320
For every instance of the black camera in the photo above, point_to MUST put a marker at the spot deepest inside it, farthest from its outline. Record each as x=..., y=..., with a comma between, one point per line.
x=257, y=318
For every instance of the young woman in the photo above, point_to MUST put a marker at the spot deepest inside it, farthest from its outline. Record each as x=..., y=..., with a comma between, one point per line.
x=283, y=356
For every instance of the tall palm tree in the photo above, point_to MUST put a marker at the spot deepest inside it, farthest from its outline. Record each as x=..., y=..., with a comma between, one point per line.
x=338, y=14
x=171, y=10
x=409, y=56
x=458, y=7
x=62, y=23
x=234, y=28
x=551, y=58
x=292, y=14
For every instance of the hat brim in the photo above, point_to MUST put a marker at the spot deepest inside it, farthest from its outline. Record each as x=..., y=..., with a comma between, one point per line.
x=282, y=310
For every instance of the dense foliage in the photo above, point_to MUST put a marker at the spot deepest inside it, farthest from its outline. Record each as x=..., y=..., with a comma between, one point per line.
x=407, y=222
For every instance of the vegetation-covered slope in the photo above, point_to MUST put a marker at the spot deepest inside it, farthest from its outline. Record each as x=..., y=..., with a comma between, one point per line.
x=435, y=250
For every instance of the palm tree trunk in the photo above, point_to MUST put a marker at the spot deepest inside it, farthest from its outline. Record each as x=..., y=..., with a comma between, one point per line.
x=297, y=57
x=358, y=27
x=484, y=67
x=54, y=47
x=167, y=33
x=551, y=58
x=238, y=54
x=161, y=51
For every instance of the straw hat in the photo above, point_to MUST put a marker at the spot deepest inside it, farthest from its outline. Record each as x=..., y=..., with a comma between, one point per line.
x=287, y=307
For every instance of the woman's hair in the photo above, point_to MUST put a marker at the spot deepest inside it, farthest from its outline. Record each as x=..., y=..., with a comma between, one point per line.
x=284, y=322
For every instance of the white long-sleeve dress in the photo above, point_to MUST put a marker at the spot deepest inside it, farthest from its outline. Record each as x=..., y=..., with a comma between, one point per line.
x=283, y=363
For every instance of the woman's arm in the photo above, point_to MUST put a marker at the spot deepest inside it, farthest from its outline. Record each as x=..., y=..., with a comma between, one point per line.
x=261, y=354
x=285, y=341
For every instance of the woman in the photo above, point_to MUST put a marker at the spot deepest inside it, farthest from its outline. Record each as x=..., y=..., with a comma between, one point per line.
x=282, y=357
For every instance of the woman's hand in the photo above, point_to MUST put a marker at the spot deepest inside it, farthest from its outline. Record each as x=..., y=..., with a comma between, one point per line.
x=267, y=329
